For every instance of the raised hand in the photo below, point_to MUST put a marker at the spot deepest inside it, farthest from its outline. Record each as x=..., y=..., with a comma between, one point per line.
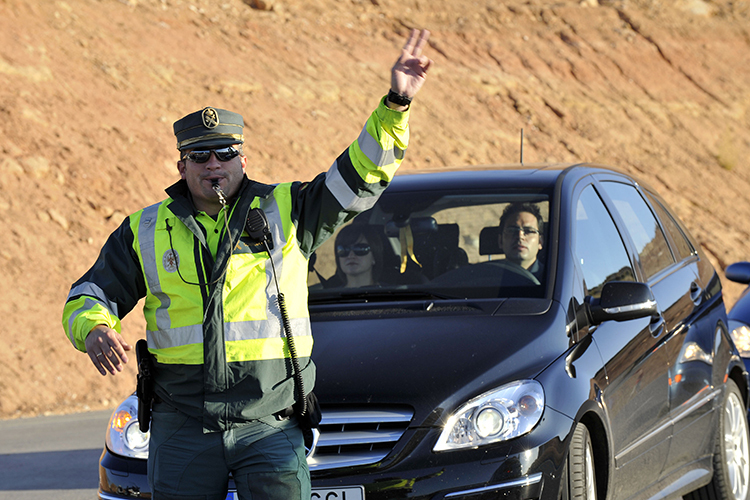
x=410, y=70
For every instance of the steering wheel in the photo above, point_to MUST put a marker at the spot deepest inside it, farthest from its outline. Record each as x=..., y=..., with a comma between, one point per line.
x=488, y=274
x=515, y=268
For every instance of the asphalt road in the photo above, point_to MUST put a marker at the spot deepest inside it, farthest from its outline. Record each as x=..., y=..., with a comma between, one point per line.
x=51, y=457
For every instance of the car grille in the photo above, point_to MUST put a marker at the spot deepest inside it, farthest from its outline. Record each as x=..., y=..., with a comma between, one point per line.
x=357, y=436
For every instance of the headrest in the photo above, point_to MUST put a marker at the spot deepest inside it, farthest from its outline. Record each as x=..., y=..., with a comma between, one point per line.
x=489, y=241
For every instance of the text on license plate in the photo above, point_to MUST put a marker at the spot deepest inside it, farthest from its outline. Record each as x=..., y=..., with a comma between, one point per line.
x=345, y=493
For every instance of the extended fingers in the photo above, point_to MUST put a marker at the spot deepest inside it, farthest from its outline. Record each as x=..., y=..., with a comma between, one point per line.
x=416, y=42
x=107, y=361
x=119, y=346
x=424, y=36
x=97, y=359
x=106, y=349
x=113, y=356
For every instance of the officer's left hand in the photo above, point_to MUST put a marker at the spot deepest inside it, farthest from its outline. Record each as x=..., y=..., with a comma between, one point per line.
x=410, y=70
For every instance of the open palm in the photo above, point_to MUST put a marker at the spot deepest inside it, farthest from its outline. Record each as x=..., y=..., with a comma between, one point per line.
x=410, y=70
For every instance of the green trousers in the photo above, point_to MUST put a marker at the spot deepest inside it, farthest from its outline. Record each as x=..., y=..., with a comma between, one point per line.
x=266, y=459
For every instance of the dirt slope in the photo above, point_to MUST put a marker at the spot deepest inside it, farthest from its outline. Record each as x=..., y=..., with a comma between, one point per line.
x=90, y=89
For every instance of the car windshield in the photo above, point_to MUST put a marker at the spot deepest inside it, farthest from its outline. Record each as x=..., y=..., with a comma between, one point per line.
x=433, y=245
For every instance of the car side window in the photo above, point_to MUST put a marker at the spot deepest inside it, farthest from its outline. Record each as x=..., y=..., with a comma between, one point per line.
x=599, y=250
x=647, y=235
x=683, y=248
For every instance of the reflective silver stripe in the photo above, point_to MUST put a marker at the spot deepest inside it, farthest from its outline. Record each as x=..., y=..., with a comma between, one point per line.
x=175, y=337
x=347, y=198
x=279, y=240
x=93, y=290
x=146, y=239
x=88, y=304
x=264, y=329
x=373, y=150
x=238, y=330
x=299, y=326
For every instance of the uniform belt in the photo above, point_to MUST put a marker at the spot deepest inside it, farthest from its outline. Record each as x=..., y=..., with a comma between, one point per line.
x=285, y=413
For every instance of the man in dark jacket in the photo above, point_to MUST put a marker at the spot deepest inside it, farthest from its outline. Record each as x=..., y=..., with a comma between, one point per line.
x=521, y=236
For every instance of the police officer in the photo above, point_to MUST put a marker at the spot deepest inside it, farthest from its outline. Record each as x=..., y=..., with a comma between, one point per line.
x=221, y=359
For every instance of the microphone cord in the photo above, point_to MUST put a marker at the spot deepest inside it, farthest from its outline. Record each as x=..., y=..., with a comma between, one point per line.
x=223, y=201
x=299, y=384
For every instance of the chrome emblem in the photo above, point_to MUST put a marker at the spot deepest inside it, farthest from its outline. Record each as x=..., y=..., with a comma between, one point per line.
x=210, y=118
x=170, y=260
x=310, y=447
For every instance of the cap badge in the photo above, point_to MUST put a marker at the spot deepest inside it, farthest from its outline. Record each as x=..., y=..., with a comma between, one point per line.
x=210, y=118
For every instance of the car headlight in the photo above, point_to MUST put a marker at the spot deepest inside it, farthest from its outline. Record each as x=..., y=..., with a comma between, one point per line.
x=123, y=435
x=503, y=413
x=741, y=335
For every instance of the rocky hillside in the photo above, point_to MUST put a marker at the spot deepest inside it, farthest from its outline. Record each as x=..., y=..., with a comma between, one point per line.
x=90, y=89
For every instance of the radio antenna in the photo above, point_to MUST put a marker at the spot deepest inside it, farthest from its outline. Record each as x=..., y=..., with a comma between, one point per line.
x=521, y=146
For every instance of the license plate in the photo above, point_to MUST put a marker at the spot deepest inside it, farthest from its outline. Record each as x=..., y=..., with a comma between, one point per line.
x=346, y=493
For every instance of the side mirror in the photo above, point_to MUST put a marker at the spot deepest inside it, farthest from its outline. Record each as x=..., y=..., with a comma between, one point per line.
x=621, y=301
x=738, y=272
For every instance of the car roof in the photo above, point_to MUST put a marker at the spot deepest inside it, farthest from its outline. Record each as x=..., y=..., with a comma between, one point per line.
x=511, y=176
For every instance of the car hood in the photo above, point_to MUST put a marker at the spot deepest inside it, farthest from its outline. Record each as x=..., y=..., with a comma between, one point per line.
x=430, y=361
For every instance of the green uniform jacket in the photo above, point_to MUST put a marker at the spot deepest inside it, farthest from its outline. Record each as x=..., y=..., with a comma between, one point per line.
x=213, y=323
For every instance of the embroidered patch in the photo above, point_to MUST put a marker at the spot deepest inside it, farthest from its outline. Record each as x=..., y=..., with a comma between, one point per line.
x=210, y=118
x=170, y=260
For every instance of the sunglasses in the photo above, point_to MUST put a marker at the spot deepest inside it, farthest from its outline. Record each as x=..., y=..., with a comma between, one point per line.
x=203, y=155
x=359, y=249
x=514, y=230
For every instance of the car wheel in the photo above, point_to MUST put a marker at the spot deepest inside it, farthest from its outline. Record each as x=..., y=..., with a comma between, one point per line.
x=580, y=483
x=732, y=452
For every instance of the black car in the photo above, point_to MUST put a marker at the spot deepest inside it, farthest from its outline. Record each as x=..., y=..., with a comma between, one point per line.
x=605, y=369
x=739, y=314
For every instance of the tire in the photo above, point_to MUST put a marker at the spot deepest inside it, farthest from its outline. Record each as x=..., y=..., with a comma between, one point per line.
x=579, y=478
x=731, y=479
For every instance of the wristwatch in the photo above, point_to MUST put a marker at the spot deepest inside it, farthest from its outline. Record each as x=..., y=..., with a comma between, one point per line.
x=399, y=99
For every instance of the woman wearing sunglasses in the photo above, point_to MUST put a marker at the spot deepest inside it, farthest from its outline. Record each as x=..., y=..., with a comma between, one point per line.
x=359, y=257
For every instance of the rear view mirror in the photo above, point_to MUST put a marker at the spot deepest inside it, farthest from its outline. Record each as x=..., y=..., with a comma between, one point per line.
x=418, y=225
x=621, y=301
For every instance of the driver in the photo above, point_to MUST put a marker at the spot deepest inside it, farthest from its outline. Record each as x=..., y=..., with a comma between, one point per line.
x=521, y=236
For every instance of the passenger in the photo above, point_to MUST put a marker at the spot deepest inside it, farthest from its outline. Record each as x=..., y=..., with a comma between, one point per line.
x=520, y=237
x=359, y=257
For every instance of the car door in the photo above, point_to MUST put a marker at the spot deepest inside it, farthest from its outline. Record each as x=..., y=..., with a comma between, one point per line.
x=636, y=396
x=687, y=346
x=691, y=354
